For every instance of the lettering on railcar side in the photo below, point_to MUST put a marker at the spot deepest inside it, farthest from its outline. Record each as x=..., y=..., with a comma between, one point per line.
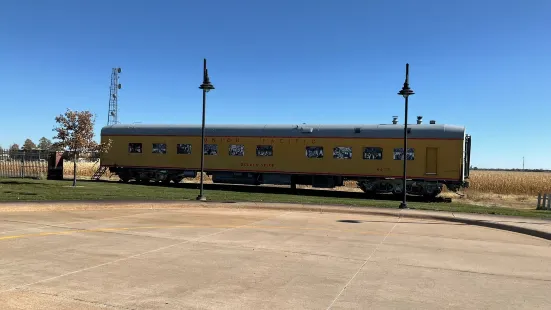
x=221, y=139
x=261, y=165
x=264, y=141
x=273, y=141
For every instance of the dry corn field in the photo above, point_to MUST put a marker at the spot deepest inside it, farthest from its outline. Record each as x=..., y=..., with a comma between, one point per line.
x=515, y=183
x=84, y=170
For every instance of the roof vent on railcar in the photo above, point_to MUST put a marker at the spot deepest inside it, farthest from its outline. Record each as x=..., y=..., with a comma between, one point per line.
x=395, y=120
x=433, y=122
x=306, y=129
x=419, y=120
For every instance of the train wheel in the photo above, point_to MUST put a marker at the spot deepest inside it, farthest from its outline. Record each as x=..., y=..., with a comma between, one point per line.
x=430, y=192
x=429, y=197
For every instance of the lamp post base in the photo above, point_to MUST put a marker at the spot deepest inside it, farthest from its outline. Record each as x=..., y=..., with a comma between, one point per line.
x=403, y=205
x=201, y=198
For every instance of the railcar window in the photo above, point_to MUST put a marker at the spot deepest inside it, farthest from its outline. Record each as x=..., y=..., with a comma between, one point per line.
x=342, y=152
x=134, y=147
x=399, y=153
x=183, y=149
x=159, y=148
x=314, y=151
x=237, y=150
x=211, y=149
x=373, y=153
x=264, y=150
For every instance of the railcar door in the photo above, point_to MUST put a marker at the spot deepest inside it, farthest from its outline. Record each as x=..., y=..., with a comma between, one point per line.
x=431, y=164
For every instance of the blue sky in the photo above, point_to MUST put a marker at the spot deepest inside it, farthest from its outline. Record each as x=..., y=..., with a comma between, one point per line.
x=482, y=64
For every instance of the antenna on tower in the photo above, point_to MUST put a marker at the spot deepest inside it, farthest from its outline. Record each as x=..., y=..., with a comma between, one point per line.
x=112, y=117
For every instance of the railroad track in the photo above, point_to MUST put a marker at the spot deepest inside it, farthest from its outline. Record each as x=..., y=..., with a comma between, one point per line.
x=286, y=190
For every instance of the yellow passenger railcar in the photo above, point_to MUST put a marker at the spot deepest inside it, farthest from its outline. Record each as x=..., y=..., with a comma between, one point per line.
x=320, y=155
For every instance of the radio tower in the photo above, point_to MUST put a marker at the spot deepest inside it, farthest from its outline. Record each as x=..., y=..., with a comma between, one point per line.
x=113, y=96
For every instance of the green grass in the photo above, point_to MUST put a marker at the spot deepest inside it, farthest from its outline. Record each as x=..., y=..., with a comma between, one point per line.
x=44, y=190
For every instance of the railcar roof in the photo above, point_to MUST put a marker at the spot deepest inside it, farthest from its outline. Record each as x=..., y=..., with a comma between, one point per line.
x=441, y=131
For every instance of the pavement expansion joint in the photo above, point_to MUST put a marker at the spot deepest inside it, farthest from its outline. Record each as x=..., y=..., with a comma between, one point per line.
x=364, y=263
x=476, y=272
x=141, y=254
x=75, y=299
x=272, y=250
x=43, y=225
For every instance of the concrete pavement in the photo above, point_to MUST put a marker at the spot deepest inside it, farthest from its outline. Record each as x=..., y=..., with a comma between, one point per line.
x=228, y=256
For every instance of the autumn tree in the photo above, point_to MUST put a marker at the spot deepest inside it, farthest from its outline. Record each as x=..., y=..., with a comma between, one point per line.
x=45, y=144
x=14, y=149
x=29, y=145
x=75, y=134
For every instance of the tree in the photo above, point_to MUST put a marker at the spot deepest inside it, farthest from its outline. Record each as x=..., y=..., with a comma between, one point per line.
x=45, y=144
x=75, y=132
x=14, y=149
x=29, y=145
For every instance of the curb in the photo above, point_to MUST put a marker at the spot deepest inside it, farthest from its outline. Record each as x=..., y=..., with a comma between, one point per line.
x=416, y=214
x=404, y=214
x=496, y=225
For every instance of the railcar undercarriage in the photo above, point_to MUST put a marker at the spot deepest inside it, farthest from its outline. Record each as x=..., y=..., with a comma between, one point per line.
x=146, y=175
x=427, y=189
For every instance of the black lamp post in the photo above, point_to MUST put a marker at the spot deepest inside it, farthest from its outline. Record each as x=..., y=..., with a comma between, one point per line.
x=206, y=87
x=405, y=92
